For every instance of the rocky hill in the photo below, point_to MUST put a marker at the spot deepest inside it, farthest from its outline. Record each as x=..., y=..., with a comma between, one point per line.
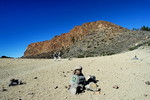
x=101, y=44
x=90, y=39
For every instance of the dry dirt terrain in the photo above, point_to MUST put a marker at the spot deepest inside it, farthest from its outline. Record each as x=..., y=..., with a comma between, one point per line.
x=46, y=79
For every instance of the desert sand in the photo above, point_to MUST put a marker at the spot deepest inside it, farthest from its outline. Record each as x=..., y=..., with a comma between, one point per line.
x=46, y=79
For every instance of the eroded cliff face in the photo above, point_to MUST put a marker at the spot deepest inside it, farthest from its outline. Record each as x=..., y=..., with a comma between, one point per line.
x=64, y=41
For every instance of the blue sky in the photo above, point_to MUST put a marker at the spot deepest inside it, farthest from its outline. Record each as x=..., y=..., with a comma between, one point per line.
x=27, y=21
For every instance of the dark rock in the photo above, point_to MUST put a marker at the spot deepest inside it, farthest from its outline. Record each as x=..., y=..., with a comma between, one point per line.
x=116, y=87
x=66, y=87
x=31, y=93
x=14, y=82
x=35, y=77
x=147, y=82
x=63, y=72
x=56, y=87
x=145, y=95
x=3, y=89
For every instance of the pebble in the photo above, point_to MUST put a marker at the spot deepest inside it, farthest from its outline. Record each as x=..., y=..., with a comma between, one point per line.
x=145, y=95
x=30, y=93
x=116, y=87
x=65, y=97
x=66, y=87
x=147, y=82
x=3, y=89
x=56, y=87
x=104, y=94
x=35, y=77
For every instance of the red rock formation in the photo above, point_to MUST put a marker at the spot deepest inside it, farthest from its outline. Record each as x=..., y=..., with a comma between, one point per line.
x=64, y=41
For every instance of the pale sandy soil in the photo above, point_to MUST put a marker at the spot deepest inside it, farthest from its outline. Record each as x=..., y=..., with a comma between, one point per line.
x=129, y=75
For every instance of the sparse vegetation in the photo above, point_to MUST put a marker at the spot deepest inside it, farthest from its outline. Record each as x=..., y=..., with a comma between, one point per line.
x=149, y=43
x=133, y=48
x=80, y=56
x=137, y=46
x=5, y=57
x=107, y=53
x=143, y=28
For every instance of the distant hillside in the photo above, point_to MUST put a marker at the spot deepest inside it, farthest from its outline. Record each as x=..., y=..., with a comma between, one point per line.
x=63, y=42
x=5, y=57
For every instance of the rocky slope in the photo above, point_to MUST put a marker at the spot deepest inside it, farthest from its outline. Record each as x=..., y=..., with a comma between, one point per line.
x=63, y=42
x=101, y=44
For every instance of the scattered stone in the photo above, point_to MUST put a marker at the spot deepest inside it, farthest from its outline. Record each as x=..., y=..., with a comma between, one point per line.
x=66, y=87
x=56, y=87
x=98, y=70
x=31, y=93
x=147, y=37
x=35, y=77
x=147, y=82
x=104, y=94
x=65, y=98
x=3, y=89
x=70, y=58
x=116, y=87
x=145, y=95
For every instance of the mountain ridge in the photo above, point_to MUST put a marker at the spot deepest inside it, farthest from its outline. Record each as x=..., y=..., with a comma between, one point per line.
x=64, y=41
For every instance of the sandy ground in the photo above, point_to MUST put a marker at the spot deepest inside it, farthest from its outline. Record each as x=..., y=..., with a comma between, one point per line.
x=129, y=75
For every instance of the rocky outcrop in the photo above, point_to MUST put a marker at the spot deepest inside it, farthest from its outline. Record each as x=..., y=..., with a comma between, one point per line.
x=63, y=42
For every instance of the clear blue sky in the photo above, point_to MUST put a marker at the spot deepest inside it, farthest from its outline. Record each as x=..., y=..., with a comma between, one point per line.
x=27, y=21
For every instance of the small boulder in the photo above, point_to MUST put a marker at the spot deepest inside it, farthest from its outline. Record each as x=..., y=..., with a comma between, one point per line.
x=145, y=95
x=116, y=87
x=147, y=82
x=3, y=89
x=35, y=77
x=56, y=87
